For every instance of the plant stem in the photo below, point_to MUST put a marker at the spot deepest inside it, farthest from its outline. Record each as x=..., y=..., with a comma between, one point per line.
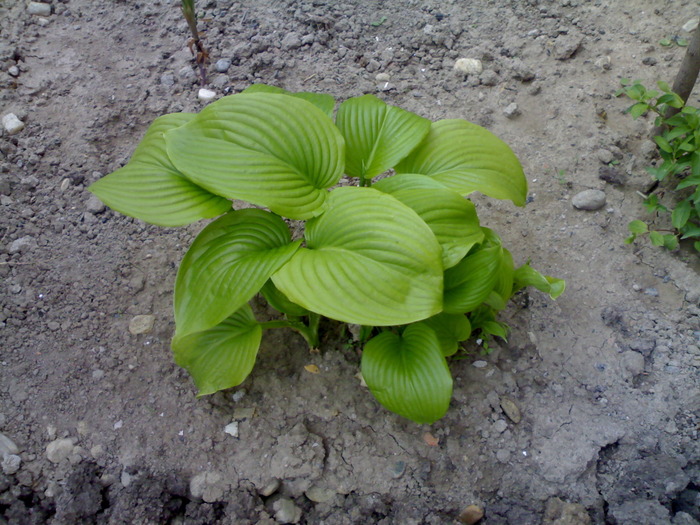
x=308, y=332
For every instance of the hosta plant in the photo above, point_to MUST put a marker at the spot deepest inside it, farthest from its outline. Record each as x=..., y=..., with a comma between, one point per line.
x=390, y=243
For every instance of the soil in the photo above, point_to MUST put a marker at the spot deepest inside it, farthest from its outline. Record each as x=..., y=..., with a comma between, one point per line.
x=100, y=426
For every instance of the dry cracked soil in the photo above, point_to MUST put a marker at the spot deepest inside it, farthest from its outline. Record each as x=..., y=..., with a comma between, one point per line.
x=588, y=414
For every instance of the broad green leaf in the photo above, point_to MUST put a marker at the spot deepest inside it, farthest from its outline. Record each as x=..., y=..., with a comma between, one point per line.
x=227, y=264
x=150, y=188
x=452, y=218
x=489, y=328
x=377, y=135
x=681, y=214
x=528, y=276
x=369, y=260
x=322, y=101
x=638, y=109
x=663, y=144
x=222, y=356
x=638, y=227
x=268, y=149
x=503, y=290
x=408, y=373
x=663, y=86
x=450, y=329
x=656, y=238
x=280, y=302
x=670, y=241
x=690, y=230
x=467, y=158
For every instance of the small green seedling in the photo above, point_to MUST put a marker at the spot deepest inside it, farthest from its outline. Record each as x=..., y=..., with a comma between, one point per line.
x=404, y=257
x=379, y=22
x=679, y=149
x=195, y=44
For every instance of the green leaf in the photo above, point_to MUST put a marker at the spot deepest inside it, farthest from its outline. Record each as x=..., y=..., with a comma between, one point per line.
x=690, y=230
x=408, y=374
x=630, y=239
x=696, y=245
x=494, y=328
x=638, y=109
x=322, y=101
x=227, y=264
x=450, y=329
x=681, y=214
x=466, y=158
x=663, y=86
x=377, y=136
x=670, y=241
x=663, y=144
x=150, y=188
x=280, y=302
x=224, y=355
x=638, y=227
x=528, y=276
x=665, y=42
x=452, y=218
x=656, y=238
x=268, y=149
x=671, y=99
x=369, y=259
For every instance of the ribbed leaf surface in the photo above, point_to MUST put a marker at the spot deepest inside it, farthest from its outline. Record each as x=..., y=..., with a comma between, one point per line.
x=528, y=276
x=150, y=188
x=227, y=264
x=369, y=259
x=452, y=218
x=408, y=373
x=469, y=284
x=280, y=302
x=223, y=356
x=450, y=329
x=377, y=135
x=467, y=158
x=322, y=101
x=269, y=149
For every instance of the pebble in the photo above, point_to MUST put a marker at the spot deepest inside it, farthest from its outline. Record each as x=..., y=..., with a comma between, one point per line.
x=471, y=515
x=232, y=429
x=7, y=446
x=510, y=409
x=503, y=455
x=479, y=364
x=589, y=200
x=13, y=71
x=511, y=110
x=291, y=41
x=691, y=25
x=604, y=63
x=94, y=205
x=59, y=449
x=286, y=511
x=141, y=324
x=11, y=464
x=382, y=77
x=500, y=426
x=398, y=469
x=633, y=362
x=468, y=66
x=319, y=494
x=208, y=486
x=12, y=123
x=270, y=488
x=605, y=156
x=206, y=95
x=167, y=79
x=222, y=65
x=21, y=245
x=39, y=9
x=53, y=326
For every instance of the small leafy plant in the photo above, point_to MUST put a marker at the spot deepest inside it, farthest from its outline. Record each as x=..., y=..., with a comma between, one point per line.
x=679, y=149
x=400, y=253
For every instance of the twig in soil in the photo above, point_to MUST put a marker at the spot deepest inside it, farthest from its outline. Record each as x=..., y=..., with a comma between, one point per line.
x=199, y=52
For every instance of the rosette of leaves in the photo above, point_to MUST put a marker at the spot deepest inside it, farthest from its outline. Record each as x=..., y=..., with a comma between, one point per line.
x=679, y=151
x=404, y=256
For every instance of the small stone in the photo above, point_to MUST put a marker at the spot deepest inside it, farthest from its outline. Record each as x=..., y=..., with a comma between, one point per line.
x=286, y=511
x=479, y=364
x=605, y=156
x=270, y=488
x=208, y=486
x=604, y=63
x=58, y=450
x=382, y=77
x=53, y=326
x=12, y=123
x=222, y=65
x=65, y=184
x=167, y=79
x=7, y=446
x=559, y=512
x=500, y=426
x=633, y=362
x=232, y=429
x=94, y=205
x=39, y=9
x=649, y=61
x=291, y=41
x=489, y=78
x=510, y=409
x=22, y=244
x=589, y=200
x=691, y=25
x=471, y=515
x=243, y=413
x=206, y=95
x=372, y=66
x=11, y=464
x=612, y=175
x=511, y=110
x=398, y=469
x=141, y=324
x=319, y=494
x=13, y=71
x=503, y=455
x=566, y=46
x=468, y=66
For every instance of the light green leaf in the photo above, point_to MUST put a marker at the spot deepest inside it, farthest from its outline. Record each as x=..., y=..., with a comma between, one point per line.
x=280, y=302
x=450, y=329
x=227, y=264
x=408, y=374
x=222, y=356
x=656, y=238
x=322, y=101
x=638, y=109
x=638, y=227
x=268, y=149
x=503, y=289
x=528, y=276
x=467, y=158
x=150, y=188
x=368, y=260
x=377, y=135
x=681, y=214
x=452, y=218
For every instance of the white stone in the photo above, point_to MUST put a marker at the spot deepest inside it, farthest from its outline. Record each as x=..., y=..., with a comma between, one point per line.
x=12, y=124
x=7, y=446
x=58, y=450
x=589, y=200
x=691, y=25
x=141, y=324
x=206, y=95
x=39, y=9
x=232, y=429
x=286, y=511
x=11, y=464
x=13, y=71
x=468, y=66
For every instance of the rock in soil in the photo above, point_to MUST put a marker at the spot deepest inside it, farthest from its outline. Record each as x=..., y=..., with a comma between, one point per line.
x=589, y=200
